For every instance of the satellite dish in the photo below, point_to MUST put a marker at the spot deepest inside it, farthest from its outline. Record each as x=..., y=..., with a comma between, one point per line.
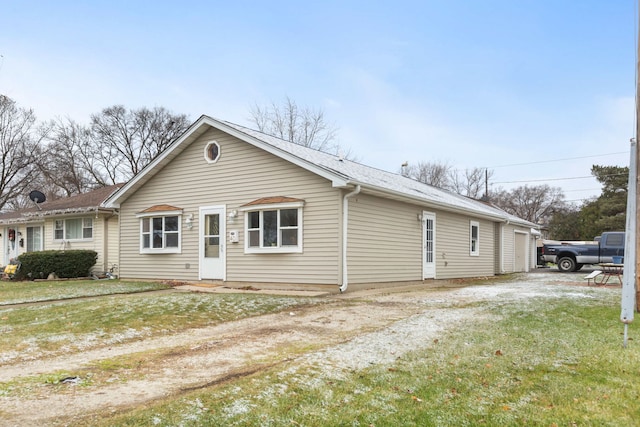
x=37, y=197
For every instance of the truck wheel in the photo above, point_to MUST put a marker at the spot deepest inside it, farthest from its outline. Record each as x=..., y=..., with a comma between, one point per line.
x=566, y=264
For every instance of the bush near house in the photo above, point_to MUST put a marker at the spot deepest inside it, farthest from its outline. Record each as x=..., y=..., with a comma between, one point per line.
x=65, y=264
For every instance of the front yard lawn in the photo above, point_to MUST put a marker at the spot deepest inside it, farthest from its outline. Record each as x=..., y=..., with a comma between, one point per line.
x=55, y=327
x=33, y=291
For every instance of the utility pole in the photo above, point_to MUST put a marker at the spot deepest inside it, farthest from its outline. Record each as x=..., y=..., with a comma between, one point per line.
x=486, y=183
x=637, y=162
x=630, y=298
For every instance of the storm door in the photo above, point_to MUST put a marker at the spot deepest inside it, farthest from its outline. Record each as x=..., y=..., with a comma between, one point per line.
x=212, y=243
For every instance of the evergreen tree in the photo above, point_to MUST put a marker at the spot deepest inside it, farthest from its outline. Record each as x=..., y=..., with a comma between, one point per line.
x=608, y=211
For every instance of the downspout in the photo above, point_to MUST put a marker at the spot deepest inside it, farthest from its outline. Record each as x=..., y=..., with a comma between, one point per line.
x=502, y=251
x=345, y=226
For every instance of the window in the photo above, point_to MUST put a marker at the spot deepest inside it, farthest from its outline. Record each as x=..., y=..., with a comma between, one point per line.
x=212, y=152
x=474, y=241
x=160, y=233
x=34, y=239
x=73, y=229
x=160, y=229
x=274, y=230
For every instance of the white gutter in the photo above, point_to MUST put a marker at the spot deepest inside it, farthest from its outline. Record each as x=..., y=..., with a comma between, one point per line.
x=345, y=226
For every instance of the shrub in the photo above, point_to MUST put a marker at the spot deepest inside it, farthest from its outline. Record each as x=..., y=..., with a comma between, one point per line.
x=65, y=264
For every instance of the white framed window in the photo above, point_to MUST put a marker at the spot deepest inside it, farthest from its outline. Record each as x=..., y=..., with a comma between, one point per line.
x=273, y=228
x=474, y=238
x=212, y=151
x=73, y=229
x=160, y=232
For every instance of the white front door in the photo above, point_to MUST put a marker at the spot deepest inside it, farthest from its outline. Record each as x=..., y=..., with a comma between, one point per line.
x=429, y=245
x=212, y=243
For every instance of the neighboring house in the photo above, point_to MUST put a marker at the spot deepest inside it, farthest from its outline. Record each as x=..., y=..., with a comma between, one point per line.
x=226, y=203
x=76, y=222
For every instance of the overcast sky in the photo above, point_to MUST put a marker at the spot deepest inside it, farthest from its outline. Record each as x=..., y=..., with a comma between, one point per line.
x=483, y=83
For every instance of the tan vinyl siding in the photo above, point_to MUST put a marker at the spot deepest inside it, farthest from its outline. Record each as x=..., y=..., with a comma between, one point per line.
x=112, y=244
x=453, y=259
x=384, y=241
x=497, y=227
x=242, y=174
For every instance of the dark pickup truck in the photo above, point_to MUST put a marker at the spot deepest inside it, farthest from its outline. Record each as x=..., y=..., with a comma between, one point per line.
x=572, y=256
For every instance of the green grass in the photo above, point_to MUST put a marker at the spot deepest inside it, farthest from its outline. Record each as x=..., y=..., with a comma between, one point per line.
x=544, y=361
x=34, y=291
x=79, y=325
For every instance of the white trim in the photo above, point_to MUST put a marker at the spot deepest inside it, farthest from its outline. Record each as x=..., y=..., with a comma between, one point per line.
x=428, y=274
x=289, y=249
x=206, y=151
x=474, y=251
x=158, y=251
x=26, y=237
x=64, y=229
x=160, y=213
x=266, y=206
x=202, y=211
x=527, y=263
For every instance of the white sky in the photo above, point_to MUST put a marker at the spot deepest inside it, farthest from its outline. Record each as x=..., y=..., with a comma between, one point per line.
x=468, y=82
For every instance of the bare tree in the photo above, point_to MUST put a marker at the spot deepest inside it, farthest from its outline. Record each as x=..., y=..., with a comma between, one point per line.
x=69, y=166
x=432, y=173
x=125, y=141
x=533, y=203
x=300, y=125
x=19, y=137
x=471, y=182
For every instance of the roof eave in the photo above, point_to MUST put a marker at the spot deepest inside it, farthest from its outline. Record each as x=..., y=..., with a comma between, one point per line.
x=440, y=205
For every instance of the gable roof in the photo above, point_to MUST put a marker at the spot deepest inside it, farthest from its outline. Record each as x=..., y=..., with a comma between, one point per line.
x=81, y=203
x=342, y=173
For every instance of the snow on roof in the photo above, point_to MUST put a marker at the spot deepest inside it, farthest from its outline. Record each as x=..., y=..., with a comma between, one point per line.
x=77, y=204
x=381, y=180
x=342, y=172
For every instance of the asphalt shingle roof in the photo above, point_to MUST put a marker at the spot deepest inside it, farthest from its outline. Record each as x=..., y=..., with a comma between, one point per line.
x=395, y=183
x=74, y=204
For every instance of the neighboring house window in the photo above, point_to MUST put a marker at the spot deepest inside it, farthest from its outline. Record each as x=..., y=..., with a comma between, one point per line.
x=273, y=228
x=212, y=152
x=34, y=239
x=73, y=229
x=474, y=241
x=160, y=232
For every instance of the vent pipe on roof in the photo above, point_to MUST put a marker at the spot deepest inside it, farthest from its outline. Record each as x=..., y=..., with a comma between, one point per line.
x=345, y=227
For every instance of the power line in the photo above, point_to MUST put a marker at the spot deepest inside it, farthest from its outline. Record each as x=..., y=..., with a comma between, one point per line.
x=556, y=160
x=556, y=179
x=582, y=189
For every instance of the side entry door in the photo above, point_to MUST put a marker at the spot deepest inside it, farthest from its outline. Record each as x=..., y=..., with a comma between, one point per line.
x=428, y=245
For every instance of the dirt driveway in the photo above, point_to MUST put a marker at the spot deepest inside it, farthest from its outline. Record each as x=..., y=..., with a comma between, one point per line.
x=357, y=329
